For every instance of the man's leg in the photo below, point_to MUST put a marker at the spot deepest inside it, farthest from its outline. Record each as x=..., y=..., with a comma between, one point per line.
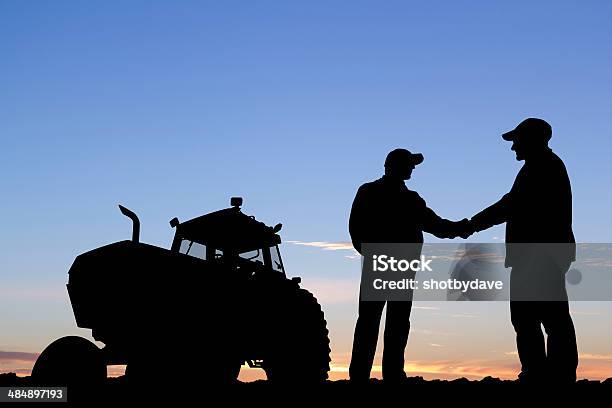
x=562, y=351
x=529, y=338
x=397, y=327
x=364, y=341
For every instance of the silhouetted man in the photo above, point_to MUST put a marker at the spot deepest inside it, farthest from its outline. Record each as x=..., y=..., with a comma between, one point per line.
x=538, y=212
x=385, y=211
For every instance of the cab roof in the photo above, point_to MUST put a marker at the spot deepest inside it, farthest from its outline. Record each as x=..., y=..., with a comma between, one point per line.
x=229, y=229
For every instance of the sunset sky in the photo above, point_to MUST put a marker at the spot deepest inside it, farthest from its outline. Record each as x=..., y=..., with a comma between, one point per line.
x=171, y=109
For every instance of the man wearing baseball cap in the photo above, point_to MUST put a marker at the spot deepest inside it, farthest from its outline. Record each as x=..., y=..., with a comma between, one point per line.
x=386, y=211
x=540, y=247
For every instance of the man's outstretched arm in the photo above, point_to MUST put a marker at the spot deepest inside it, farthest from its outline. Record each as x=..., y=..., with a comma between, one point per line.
x=443, y=228
x=492, y=215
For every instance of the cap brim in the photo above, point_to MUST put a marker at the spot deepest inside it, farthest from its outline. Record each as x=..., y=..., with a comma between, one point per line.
x=510, y=136
x=417, y=158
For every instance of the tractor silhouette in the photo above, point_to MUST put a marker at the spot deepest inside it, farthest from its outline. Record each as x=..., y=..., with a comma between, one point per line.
x=218, y=299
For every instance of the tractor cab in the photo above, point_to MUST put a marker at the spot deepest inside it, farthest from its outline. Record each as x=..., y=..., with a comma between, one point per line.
x=232, y=237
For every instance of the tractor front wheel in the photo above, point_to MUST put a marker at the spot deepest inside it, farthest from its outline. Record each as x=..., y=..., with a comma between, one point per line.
x=70, y=361
x=300, y=342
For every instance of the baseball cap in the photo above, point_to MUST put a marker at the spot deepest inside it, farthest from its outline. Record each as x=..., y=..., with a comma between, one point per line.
x=403, y=156
x=531, y=127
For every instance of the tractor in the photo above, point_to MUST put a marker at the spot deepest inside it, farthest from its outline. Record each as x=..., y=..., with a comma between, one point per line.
x=219, y=298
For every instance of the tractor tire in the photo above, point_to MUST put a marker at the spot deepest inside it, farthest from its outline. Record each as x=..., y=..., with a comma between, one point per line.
x=300, y=342
x=70, y=361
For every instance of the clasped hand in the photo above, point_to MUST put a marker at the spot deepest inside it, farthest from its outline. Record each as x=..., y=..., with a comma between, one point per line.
x=463, y=228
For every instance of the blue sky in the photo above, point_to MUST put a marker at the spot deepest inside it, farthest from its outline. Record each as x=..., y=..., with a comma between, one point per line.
x=170, y=109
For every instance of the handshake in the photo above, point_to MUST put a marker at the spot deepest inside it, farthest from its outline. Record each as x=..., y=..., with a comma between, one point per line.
x=463, y=229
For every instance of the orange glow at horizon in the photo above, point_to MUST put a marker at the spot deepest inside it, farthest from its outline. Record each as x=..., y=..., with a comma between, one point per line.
x=592, y=367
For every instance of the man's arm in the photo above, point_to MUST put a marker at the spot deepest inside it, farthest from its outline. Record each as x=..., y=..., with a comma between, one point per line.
x=441, y=227
x=493, y=215
x=357, y=219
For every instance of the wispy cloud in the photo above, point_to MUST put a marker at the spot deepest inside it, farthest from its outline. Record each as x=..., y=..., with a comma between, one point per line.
x=599, y=357
x=331, y=246
x=464, y=315
x=329, y=290
x=17, y=362
x=14, y=356
x=427, y=332
x=327, y=246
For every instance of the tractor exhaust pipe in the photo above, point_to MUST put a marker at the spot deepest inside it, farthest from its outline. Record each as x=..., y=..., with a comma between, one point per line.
x=135, y=222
